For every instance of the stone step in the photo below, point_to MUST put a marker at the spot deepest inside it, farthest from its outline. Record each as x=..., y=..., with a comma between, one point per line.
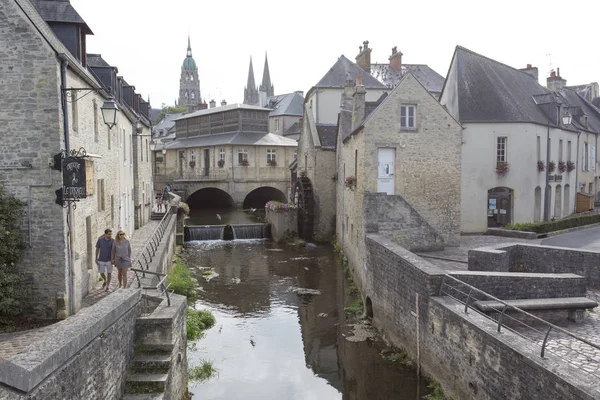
x=154, y=348
x=146, y=383
x=143, y=396
x=151, y=363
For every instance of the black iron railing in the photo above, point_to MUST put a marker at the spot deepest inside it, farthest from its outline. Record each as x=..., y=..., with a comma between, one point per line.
x=147, y=254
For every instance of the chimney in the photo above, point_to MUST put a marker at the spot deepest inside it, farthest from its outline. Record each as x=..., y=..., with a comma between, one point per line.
x=554, y=82
x=358, y=111
x=363, y=59
x=300, y=92
x=396, y=60
x=529, y=70
x=212, y=103
x=346, y=110
x=223, y=103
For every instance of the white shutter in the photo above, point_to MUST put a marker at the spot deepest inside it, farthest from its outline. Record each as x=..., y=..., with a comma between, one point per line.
x=593, y=158
x=583, y=157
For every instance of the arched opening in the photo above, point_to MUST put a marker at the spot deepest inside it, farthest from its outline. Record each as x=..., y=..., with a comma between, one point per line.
x=369, y=307
x=558, y=201
x=499, y=207
x=537, y=208
x=567, y=208
x=259, y=197
x=210, y=198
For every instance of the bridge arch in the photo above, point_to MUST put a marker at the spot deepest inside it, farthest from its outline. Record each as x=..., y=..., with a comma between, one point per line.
x=210, y=198
x=260, y=196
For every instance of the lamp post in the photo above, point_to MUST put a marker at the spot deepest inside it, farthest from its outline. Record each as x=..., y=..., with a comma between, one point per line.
x=110, y=112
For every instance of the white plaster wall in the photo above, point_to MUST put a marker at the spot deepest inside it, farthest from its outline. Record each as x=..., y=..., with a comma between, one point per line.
x=327, y=103
x=479, y=174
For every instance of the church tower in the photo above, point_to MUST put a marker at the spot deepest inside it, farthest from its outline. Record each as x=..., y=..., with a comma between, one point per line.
x=250, y=91
x=266, y=88
x=189, y=84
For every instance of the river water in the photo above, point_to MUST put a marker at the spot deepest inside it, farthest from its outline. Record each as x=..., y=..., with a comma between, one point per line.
x=281, y=330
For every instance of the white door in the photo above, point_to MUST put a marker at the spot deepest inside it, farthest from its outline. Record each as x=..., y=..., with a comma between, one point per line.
x=385, y=171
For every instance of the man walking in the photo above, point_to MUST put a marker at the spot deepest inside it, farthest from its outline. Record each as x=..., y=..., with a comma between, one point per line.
x=103, y=257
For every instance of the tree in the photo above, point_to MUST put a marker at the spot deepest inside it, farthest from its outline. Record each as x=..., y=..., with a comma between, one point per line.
x=12, y=282
x=169, y=110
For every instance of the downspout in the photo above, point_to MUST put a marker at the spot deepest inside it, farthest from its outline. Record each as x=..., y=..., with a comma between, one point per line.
x=576, y=174
x=63, y=85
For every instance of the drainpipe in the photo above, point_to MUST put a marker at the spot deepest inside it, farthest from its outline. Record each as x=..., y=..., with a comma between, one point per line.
x=576, y=174
x=547, y=190
x=71, y=263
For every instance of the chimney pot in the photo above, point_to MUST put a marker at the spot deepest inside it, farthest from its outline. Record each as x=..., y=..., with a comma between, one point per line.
x=359, y=81
x=552, y=74
x=558, y=72
x=223, y=103
x=528, y=65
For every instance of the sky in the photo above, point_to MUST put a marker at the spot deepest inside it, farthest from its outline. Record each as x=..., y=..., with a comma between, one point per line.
x=147, y=39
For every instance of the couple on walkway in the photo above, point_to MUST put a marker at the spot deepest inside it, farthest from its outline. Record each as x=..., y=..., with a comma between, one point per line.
x=113, y=252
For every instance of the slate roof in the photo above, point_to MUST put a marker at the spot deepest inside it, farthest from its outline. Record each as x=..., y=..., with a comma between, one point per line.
x=370, y=107
x=96, y=60
x=228, y=107
x=59, y=11
x=580, y=106
x=327, y=135
x=596, y=102
x=489, y=91
x=345, y=69
x=286, y=104
x=431, y=80
x=233, y=138
x=292, y=130
x=166, y=125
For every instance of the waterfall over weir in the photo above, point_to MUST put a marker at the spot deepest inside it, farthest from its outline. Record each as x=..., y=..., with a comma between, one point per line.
x=224, y=232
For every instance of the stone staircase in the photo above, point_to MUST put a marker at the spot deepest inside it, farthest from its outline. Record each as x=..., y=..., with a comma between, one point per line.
x=148, y=375
x=157, y=216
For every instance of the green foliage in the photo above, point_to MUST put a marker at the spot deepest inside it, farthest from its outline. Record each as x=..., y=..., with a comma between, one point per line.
x=397, y=356
x=355, y=308
x=436, y=392
x=202, y=372
x=551, y=226
x=290, y=237
x=181, y=282
x=169, y=110
x=197, y=322
x=13, y=287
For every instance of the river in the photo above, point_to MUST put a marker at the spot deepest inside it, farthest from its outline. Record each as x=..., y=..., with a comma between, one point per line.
x=281, y=331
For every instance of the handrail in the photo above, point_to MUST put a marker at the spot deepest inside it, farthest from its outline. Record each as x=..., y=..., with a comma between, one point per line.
x=159, y=286
x=548, y=325
x=147, y=254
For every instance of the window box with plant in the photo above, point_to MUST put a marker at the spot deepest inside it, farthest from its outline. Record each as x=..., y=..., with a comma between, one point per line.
x=221, y=163
x=541, y=166
x=244, y=163
x=502, y=168
x=562, y=166
x=570, y=166
x=350, y=182
x=551, y=166
x=192, y=164
x=272, y=163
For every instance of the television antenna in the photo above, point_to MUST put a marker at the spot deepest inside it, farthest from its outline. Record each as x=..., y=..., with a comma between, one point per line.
x=549, y=63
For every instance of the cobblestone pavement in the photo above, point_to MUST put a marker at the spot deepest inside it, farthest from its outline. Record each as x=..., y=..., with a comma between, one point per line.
x=12, y=344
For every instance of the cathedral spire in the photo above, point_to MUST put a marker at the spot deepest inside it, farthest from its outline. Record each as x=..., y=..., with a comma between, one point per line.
x=189, y=49
x=250, y=91
x=266, y=85
x=251, y=84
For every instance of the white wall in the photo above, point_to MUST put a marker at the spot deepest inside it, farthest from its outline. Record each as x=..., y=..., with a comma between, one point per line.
x=479, y=173
x=326, y=103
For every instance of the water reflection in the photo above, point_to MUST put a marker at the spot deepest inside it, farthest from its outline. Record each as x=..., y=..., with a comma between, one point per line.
x=271, y=340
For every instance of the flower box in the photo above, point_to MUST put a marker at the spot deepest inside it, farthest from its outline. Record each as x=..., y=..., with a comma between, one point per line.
x=192, y=164
x=541, y=166
x=570, y=166
x=244, y=163
x=221, y=163
x=502, y=168
x=279, y=206
x=562, y=166
x=350, y=182
x=551, y=166
x=272, y=163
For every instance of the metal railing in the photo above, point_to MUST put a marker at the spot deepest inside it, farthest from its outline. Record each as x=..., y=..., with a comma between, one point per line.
x=147, y=254
x=468, y=295
x=161, y=285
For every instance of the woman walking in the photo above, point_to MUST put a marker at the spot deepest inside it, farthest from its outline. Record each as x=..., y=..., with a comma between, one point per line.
x=121, y=257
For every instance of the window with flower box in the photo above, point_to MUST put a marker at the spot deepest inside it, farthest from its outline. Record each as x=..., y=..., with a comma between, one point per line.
x=243, y=157
x=271, y=157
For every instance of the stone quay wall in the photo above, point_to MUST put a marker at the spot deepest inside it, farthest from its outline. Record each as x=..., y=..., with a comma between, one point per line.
x=463, y=352
x=537, y=259
x=282, y=222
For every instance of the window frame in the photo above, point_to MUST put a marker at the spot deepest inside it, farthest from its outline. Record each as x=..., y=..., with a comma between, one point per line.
x=243, y=156
x=405, y=118
x=502, y=149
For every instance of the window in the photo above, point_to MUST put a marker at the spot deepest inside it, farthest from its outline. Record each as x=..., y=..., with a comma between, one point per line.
x=124, y=145
x=569, y=150
x=277, y=125
x=501, y=149
x=591, y=188
x=243, y=157
x=560, y=150
x=95, y=106
x=585, y=158
x=193, y=95
x=222, y=154
x=271, y=157
x=147, y=151
x=539, y=149
x=75, y=119
x=407, y=117
x=192, y=156
x=191, y=77
x=101, y=205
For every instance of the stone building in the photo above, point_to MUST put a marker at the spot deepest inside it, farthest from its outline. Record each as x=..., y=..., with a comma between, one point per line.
x=189, y=84
x=258, y=96
x=55, y=104
x=515, y=129
x=398, y=171
x=225, y=156
x=316, y=162
x=284, y=119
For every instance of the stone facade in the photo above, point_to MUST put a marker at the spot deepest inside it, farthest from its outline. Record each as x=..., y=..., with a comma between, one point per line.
x=421, y=210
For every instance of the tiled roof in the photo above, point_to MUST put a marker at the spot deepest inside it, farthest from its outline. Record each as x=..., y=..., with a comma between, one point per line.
x=286, y=104
x=59, y=11
x=432, y=81
x=345, y=69
x=233, y=138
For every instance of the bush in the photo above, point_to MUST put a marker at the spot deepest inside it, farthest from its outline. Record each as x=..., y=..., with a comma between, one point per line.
x=202, y=372
x=551, y=226
x=181, y=282
x=13, y=287
x=197, y=322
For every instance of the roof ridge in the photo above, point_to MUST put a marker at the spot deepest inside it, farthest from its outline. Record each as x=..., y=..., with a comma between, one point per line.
x=459, y=47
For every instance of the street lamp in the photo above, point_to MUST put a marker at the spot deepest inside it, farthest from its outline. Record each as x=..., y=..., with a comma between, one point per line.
x=110, y=112
x=566, y=119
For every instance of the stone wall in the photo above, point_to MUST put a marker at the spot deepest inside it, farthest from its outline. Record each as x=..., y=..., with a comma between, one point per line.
x=282, y=223
x=463, y=352
x=537, y=259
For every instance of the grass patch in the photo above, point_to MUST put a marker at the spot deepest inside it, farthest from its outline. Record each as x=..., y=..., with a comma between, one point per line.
x=436, y=392
x=197, y=322
x=180, y=279
x=551, y=226
x=397, y=356
x=202, y=372
x=356, y=308
x=206, y=272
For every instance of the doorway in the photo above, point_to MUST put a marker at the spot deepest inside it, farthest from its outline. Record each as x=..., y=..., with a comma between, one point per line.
x=499, y=207
x=385, y=171
x=206, y=162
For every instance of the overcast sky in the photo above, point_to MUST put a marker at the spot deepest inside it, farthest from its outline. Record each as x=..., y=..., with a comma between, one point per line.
x=147, y=40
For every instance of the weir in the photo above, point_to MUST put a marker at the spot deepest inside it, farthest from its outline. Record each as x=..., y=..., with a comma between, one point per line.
x=224, y=232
